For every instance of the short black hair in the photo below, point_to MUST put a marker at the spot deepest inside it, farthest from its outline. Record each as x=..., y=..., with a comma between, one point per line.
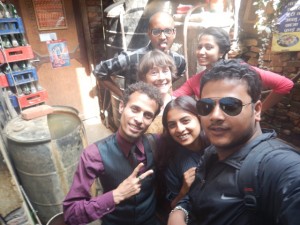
x=235, y=69
x=151, y=91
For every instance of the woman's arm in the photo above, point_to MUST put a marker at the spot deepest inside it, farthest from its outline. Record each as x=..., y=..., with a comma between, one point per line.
x=188, y=179
x=271, y=100
x=191, y=87
x=278, y=84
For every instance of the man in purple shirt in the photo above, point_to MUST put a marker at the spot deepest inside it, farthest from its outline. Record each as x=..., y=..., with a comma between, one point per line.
x=128, y=190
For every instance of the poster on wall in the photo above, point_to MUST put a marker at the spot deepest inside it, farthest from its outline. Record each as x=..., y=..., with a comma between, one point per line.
x=288, y=38
x=59, y=54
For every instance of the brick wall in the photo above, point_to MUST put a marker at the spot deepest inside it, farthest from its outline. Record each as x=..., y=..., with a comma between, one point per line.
x=285, y=116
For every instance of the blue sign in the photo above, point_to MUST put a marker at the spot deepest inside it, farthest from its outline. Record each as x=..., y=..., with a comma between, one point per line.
x=289, y=21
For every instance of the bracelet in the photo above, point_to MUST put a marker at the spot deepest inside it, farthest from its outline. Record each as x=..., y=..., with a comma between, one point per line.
x=184, y=211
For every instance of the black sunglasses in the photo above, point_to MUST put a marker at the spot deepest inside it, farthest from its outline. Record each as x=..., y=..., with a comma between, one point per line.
x=229, y=105
x=157, y=32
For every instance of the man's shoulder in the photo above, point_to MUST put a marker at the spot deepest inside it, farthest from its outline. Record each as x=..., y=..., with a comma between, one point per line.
x=106, y=139
x=176, y=55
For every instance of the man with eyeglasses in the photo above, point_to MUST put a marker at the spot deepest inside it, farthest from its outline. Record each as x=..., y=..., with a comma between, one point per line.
x=230, y=113
x=161, y=32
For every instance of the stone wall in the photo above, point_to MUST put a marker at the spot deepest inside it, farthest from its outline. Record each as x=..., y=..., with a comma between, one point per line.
x=285, y=116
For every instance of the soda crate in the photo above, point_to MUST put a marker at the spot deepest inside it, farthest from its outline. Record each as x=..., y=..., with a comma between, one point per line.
x=16, y=54
x=3, y=80
x=14, y=101
x=32, y=99
x=21, y=77
x=11, y=26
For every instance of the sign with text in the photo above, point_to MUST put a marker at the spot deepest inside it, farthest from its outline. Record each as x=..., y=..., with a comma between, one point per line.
x=289, y=28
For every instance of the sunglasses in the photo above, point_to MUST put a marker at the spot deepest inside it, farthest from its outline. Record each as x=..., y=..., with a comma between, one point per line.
x=229, y=105
x=168, y=32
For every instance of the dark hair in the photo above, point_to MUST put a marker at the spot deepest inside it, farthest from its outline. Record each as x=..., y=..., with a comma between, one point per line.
x=151, y=91
x=155, y=58
x=235, y=69
x=168, y=144
x=221, y=37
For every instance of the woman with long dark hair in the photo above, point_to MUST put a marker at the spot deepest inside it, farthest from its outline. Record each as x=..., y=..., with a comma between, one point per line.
x=183, y=143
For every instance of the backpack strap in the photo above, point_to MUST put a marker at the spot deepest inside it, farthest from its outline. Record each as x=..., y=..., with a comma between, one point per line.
x=250, y=169
x=248, y=175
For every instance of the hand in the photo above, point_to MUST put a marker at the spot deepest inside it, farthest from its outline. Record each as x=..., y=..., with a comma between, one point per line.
x=188, y=179
x=131, y=185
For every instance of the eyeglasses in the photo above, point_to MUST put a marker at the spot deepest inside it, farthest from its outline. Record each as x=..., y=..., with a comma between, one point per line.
x=229, y=105
x=168, y=32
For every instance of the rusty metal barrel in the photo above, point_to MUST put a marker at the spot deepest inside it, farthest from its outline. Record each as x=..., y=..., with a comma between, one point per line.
x=45, y=153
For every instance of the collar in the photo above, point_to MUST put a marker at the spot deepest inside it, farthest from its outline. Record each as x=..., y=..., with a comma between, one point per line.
x=126, y=146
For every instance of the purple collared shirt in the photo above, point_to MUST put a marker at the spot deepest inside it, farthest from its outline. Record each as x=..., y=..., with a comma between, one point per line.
x=79, y=204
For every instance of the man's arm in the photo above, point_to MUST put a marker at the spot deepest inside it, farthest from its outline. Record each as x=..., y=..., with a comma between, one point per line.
x=79, y=207
x=280, y=186
x=114, y=66
x=112, y=86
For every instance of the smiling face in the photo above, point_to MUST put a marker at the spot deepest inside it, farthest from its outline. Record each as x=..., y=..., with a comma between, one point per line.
x=161, y=21
x=136, y=116
x=208, y=51
x=226, y=132
x=184, y=127
x=160, y=77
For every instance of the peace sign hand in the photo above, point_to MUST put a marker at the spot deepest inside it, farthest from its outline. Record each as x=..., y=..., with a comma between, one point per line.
x=131, y=185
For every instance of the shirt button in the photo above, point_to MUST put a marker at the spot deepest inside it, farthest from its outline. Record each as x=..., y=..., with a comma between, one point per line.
x=107, y=209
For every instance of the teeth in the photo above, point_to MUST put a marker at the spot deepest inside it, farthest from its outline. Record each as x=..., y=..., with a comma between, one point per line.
x=182, y=137
x=135, y=127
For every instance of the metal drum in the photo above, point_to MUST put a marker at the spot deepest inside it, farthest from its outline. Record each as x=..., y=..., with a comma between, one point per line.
x=45, y=153
x=58, y=219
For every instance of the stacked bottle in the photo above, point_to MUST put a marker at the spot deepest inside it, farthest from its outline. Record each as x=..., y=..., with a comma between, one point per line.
x=16, y=53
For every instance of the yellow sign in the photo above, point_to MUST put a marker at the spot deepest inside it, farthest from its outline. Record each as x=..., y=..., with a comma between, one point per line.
x=286, y=42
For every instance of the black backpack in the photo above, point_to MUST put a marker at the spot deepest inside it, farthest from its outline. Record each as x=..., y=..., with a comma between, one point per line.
x=248, y=176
